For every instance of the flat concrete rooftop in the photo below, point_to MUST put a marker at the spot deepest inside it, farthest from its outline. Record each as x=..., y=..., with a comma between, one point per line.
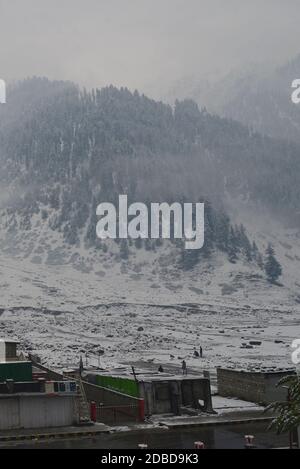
x=143, y=375
x=9, y=341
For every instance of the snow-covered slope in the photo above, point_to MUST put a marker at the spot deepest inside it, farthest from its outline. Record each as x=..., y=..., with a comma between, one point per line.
x=60, y=313
x=95, y=303
x=63, y=294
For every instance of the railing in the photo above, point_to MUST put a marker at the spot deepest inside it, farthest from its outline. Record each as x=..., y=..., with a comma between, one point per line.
x=118, y=415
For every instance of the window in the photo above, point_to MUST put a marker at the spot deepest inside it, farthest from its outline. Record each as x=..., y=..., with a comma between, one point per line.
x=11, y=351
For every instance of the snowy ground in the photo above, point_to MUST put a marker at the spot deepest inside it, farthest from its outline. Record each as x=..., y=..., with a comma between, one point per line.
x=64, y=302
x=170, y=332
x=225, y=405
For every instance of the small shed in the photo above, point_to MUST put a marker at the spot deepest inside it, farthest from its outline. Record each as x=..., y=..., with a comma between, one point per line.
x=162, y=392
x=8, y=350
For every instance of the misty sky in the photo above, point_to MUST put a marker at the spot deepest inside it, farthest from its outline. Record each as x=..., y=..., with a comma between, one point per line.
x=141, y=43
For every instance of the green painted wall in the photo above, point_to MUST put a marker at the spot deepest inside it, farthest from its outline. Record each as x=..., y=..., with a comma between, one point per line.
x=123, y=385
x=18, y=371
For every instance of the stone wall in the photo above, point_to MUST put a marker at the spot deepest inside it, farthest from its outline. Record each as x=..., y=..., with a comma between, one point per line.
x=251, y=386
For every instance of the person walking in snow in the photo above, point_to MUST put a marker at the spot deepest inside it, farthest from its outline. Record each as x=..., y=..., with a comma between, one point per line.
x=184, y=368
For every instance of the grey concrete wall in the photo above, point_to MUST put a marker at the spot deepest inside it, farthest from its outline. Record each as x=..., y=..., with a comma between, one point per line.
x=162, y=397
x=195, y=390
x=146, y=393
x=113, y=408
x=38, y=411
x=107, y=397
x=253, y=387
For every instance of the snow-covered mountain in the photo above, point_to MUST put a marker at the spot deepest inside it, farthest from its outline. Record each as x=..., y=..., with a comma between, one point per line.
x=65, y=293
x=63, y=151
x=259, y=97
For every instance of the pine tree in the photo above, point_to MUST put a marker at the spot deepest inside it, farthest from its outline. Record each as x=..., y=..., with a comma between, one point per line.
x=148, y=244
x=232, y=248
x=245, y=243
x=138, y=243
x=189, y=258
x=260, y=261
x=124, y=250
x=272, y=267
